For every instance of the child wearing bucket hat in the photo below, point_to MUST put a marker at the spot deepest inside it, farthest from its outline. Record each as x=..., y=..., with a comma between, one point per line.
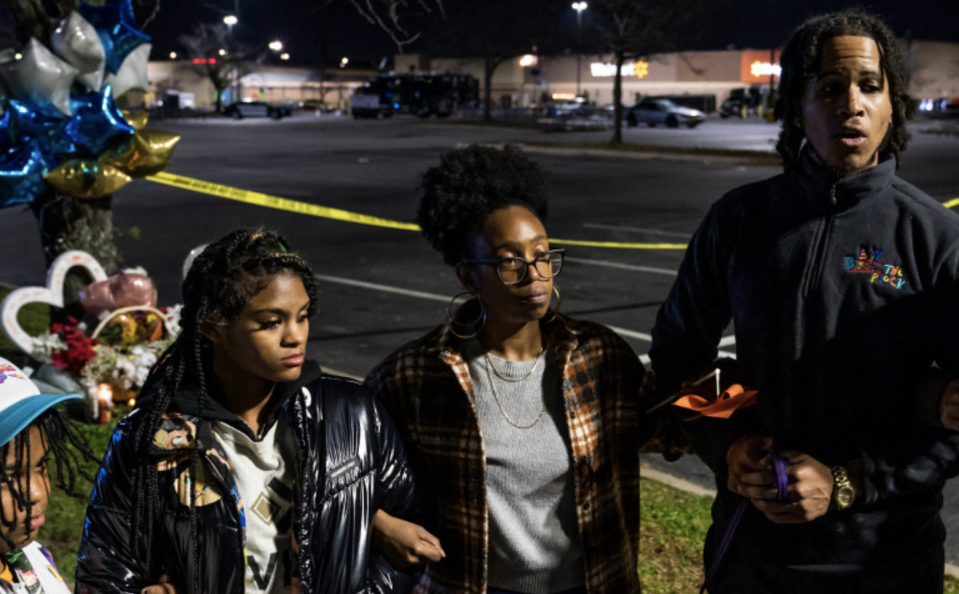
x=30, y=431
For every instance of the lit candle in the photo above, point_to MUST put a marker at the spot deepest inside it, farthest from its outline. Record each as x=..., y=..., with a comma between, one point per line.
x=104, y=403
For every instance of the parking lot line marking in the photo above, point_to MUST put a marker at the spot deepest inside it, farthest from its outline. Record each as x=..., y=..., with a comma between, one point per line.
x=636, y=230
x=613, y=244
x=951, y=203
x=633, y=267
x=295, y=206
x=384, y=288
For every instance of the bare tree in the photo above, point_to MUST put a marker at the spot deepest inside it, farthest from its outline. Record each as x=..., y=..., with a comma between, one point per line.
x=633, y=29
x=390, y=16
x=218, y=56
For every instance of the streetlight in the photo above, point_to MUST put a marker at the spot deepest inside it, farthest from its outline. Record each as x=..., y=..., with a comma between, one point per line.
x=284, y=56
x=173, y=55
x=579, y=7
x=276, y=45
x=344, y=61
x=230, y=21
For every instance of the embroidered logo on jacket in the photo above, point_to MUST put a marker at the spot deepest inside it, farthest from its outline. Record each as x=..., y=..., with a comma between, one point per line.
x=885, y=274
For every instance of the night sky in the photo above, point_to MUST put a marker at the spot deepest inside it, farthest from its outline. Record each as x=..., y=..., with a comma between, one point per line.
x=313, y=29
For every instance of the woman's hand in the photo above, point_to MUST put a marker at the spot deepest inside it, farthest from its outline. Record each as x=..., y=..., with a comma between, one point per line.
x=164, y=587
x=403, y=543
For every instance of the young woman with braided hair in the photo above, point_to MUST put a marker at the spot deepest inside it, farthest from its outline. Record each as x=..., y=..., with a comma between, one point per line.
x=243, y=469
x=525, y=421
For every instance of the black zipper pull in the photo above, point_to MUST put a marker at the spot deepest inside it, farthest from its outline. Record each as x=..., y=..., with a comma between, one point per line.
x=832, y=194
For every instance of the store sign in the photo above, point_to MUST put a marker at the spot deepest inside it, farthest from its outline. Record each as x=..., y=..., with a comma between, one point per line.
x=639, y=69
x=758, y=66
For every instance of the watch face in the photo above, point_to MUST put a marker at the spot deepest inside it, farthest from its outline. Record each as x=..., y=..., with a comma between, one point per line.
x=844, y=497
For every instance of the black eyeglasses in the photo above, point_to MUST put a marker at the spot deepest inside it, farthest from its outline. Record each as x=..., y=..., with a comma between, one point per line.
x=512, y=270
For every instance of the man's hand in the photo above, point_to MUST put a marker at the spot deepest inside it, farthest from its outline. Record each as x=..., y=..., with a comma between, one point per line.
x=949, y=406
x=809, y=494
x=164, y=587
x=403, y=543
x=752, y=474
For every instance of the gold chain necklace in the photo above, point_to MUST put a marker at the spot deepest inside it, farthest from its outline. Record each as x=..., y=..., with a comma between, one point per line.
x=489, y=374
x=489, y=363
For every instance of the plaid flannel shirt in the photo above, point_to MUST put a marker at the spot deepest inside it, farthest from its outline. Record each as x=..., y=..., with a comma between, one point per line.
x=426, y=387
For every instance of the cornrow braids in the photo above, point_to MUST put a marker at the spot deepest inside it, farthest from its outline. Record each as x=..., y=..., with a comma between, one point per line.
x=467, y=186
x=800, y=65
x=220, y=283
x=62, y=444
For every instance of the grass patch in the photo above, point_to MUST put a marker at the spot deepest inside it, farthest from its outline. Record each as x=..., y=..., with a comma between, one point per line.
x=672, y=532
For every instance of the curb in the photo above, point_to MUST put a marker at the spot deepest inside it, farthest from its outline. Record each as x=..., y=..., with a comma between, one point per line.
x=694, y=489
x=759, y=159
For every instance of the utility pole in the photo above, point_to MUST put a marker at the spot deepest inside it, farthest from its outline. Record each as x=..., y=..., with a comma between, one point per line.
x=579, y=7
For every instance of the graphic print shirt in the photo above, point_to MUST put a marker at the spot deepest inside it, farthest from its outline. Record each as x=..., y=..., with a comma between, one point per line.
x=264, y=474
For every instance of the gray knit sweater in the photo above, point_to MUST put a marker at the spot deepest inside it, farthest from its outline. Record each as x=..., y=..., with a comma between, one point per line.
x=534, y=543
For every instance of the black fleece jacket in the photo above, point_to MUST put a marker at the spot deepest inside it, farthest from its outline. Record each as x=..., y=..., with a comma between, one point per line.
x=842, y=293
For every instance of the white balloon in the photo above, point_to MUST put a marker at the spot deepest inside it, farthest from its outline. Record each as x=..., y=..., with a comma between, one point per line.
x=77, y=42
x=132, y=73
x=36, y=75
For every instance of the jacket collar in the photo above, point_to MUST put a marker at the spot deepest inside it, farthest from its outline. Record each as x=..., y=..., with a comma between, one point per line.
x=824, y=189
x=187, y=401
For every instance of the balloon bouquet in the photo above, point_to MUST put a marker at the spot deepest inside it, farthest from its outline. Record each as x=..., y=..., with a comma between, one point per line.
x=60, y=125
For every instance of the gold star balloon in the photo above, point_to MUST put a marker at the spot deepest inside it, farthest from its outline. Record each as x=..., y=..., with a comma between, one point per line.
x=137, y=119
x=149, y=152
x=86, y=179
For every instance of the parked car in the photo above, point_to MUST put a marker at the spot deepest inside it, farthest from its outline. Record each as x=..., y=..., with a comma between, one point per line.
x=652, y=111
x=255, y=109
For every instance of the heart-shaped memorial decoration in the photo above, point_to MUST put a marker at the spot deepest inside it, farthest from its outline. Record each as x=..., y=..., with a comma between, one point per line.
x=52, y=294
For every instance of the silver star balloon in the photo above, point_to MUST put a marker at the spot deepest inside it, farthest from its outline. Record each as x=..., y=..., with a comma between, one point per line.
x=132, y=73
x=76, y=41
x=36, y=75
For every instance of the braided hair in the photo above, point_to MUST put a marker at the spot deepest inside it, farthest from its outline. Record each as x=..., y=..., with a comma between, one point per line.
x=220, y=283
x=467, y=186
x=800, y=65
x=62, y=444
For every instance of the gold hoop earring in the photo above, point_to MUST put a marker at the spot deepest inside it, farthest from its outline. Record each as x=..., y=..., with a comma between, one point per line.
x=451, y=320
x=553, y=313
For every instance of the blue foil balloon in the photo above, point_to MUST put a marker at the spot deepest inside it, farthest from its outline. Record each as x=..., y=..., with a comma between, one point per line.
x=97, y=125
x=28, y=123
x=21, y=175
x=116, y=27
x=8, y=138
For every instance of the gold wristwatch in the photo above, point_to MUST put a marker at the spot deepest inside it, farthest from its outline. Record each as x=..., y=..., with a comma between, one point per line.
x=843, y=493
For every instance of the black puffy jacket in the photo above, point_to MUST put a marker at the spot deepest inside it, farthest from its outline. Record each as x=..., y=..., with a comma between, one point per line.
x=350, y=462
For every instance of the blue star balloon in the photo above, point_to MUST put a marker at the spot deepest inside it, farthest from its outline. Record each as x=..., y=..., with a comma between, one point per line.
x=8, y=137
x=48, y=130
x=96, y=125
x=116, y=27
x=21, y=175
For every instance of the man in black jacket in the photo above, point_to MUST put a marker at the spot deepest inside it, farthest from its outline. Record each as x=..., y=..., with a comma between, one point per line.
x=842, y=281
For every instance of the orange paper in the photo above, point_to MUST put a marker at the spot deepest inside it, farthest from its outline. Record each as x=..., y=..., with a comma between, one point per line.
x=735, y=397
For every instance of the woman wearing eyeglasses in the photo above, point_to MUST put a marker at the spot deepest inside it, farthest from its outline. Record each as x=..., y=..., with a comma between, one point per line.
x=524, y=421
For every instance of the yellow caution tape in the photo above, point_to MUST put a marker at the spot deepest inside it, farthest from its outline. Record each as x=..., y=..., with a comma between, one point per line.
x=951, y=203
x=255, y=198
x=195, y=185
